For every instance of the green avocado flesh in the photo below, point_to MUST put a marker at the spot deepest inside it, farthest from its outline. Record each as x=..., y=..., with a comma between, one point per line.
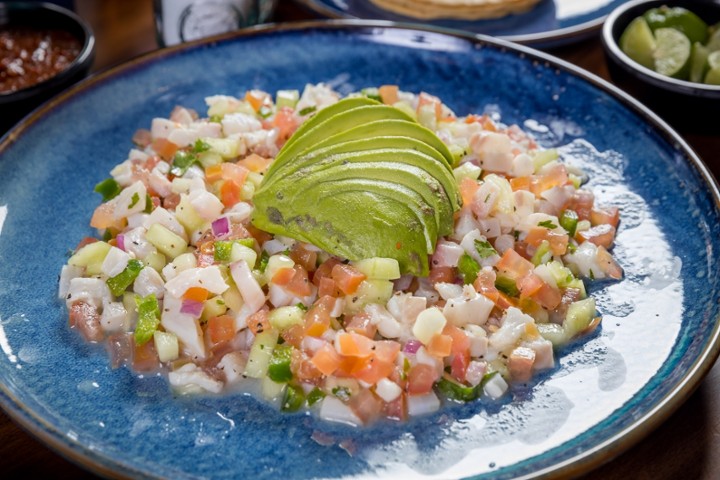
x=360, y=180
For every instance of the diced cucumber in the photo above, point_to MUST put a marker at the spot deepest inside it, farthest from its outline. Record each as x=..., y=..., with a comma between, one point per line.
x=578, y=317
x=214, y=307
x=168, y=243
x=241, y=252
x=166, y=345
x=562, y=275
x=379, y=268
x=543, y=157
x=208, y=159
x=467, y=170
x=91, y=256
x=188, y=216
x=247, y=191
x=552, y=332
x=227, y=148
x=283, y=318
x=233, y=299
x=578, y=284
x=427, y=117
x=260, y=353
x=275, y=263
x=155, y=260
x=254, y=178
x=287, y=98
x=405, y=107
x=369, y=291
x=272, y=390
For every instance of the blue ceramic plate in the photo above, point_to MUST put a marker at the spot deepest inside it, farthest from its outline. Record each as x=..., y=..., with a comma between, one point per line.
x=550, y=23
x=658, y=338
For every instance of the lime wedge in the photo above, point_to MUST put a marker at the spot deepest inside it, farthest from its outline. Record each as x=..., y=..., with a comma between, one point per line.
x=638, y=43
x=672, y=53
x=714, y=42
x=698, y=62
x=680, y=19
x=713, y=75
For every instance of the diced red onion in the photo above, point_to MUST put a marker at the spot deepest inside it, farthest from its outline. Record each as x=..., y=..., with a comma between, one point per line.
x=221, y=227
x=191, y=307
x=403, y=283
x=120, y=239
x=412, y=346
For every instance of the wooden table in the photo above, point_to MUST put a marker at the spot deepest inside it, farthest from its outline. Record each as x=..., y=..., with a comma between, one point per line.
x=686, y=446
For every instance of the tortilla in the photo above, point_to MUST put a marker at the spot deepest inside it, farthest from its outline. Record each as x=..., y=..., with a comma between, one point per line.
x=460, y=9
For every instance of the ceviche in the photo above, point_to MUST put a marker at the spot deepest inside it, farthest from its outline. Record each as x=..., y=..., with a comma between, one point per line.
x=364, y=257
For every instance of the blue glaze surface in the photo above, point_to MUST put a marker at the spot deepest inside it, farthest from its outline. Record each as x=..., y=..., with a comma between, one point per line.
x=549, y=23
x=659, y=331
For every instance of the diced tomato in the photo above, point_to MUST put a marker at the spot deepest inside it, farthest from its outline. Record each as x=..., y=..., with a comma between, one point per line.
x=601, y=235
x=104, y=217
x=304, y=257
x=286, y=122
x=371, y=369
x=259, y=235
x=119, y=348
x=234, y=172
x=213, y=173
x=347, y=277
x=442, y=275
x=396, y=410
x=458, y=367
x=505, y=302
x=171, y=201
x=255, y=163
x=547, y=296
x=165, y=148
x=317, y=319
x=558, y=241
x=608, y=215
x=529, y=285
x=283, y=276
x=197, y=294
x=257, y=98
x=421, y=378
x=440, y=345
x=582, y=202
x=325, y=270
x=328, y=287
x=514, y=266
x=303, y=368
x=293, y=335
x=142, y=137
x=299, y=285
x=230, y=193
x=86, y=319
x=389, y=94
x=326, y=359
x=607, y=264
x=556, y=177
x=386, y=350
x=520, y=183
x=468, y=188
x=144, y=357
x=366, y=406
x=221, y=329
x=485, y=284
x=361, y=324
x=353, y=345
x=258, y=322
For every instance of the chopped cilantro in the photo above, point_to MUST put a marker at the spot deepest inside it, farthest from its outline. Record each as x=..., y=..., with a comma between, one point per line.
x=264, y=258
x=343, y=393
x=148, y=204
x=134, y=200
x=468, y=268
x=484, y=249
x=547, y=224
x=307, y=111
x=302, y=307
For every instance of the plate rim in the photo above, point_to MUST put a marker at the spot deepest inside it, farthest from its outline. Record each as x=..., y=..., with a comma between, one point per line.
x=549, y=38
x=621, y=441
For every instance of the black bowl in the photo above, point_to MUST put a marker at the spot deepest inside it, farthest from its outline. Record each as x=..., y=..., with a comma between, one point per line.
x=18, y=103
x=689, y=106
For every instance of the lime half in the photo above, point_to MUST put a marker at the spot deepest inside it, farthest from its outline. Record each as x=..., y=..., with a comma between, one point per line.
x=698, y=62
x=714, y=42
x=638, y=42
x=672, y=53
x=680, y=19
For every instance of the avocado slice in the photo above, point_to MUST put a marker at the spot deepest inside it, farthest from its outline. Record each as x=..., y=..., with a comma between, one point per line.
x=357, y=145
x=396, y=181
x=375, y=232
x=337, y=123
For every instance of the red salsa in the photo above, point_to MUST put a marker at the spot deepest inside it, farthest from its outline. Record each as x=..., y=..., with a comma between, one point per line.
x=29, y=56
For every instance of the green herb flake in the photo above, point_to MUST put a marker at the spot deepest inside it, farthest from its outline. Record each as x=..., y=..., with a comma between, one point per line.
x=134, y=200
x=507, y=286
x=264, y=258
x=294, y=399
x=307, y=111
x=199, y=146
x=148, y=204
x=457, y=391
x=182, y=161
x=547, y=224
x=484, y=249
x=314, y=396
x=148, y=318
x=302, y=307
x=343, y=393
x=108, y=188
x=468, y=268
